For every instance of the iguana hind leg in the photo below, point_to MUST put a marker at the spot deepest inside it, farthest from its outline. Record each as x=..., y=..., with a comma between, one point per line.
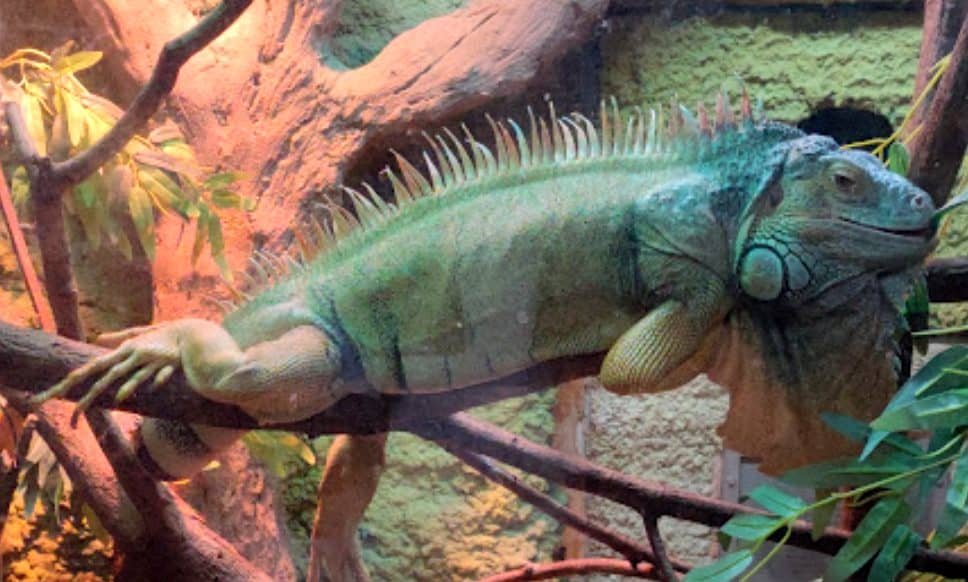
x=287, y=378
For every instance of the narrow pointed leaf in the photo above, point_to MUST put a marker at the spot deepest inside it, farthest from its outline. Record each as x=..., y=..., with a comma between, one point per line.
x=139, y=204
x=898, y=159
x=821, y=515
x=954, y=516
x=945, y=410
x=750, y=526
x=726, y=568
x=897, y=551
x=776, y=501
x=871, y=534
x=77, y=62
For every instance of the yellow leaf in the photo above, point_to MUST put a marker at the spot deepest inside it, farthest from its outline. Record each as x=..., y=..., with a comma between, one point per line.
x=76, y=115
x=34, y=119
x=139, y=204
x=77, y=62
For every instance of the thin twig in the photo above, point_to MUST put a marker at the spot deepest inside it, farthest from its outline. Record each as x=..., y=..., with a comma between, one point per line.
x=632, y=550
x=34, y=288
x=174, y=54
x=574, y=568
x=662, y=562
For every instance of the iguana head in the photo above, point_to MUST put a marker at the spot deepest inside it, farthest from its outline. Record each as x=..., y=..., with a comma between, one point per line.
x=822, y=216
x=826, y=249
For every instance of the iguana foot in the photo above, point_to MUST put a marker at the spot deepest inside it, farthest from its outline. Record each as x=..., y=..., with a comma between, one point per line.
x=146, y=353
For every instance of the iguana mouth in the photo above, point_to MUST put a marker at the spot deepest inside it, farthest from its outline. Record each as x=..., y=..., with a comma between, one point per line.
x=924, y=232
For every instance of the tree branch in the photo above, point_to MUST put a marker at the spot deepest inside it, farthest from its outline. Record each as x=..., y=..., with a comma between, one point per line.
x=437, y=70
x=163, y=77
x=937, y=152
x=574, y=568
x=662, y=561
x=31, y=360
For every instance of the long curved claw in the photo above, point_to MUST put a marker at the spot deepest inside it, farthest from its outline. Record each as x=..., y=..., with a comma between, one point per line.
x=77, y=376
x=115, y=338
x=118, y=371
x=137, y=379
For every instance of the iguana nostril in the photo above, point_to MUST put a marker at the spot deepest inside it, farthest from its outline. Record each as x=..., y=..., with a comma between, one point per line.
x=919, y=201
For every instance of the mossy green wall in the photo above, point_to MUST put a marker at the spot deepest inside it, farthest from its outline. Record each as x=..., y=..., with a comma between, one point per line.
x=793, y=61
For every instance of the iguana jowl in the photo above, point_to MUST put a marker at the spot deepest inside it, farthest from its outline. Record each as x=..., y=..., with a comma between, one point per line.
x=772, y=260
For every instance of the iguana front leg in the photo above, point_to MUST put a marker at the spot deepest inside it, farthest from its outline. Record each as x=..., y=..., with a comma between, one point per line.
x=287, y=378
x=665, y=349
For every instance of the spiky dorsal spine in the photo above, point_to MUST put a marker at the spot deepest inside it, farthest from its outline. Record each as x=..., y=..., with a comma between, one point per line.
x=452, y=163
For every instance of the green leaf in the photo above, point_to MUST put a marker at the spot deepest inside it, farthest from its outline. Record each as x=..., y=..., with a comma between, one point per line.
x=822, y=514
x=751, y=526
x=94, y=523
x=220, y=180
x=279, y=450
x=945, y=410
x=932, y=378
x=20, y=188
x=76, y=62
x=953, y=203
x=139, y=204
x=86, y=196
x=218, y=246
x=178, y=149
x=31, y=487
x=77, y=119
x=201, y=236
x=103, y=108
x=226, y=199
x=775, y=501
x=897, y=551
x=898, y=159
x=163, y=189
x=726, y=568
x=954, y=516
x=839, y=473
x=870, y=535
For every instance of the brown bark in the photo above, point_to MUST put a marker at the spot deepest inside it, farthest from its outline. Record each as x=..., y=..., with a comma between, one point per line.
x=575, y=567
x=939, y=149
x=942, y=19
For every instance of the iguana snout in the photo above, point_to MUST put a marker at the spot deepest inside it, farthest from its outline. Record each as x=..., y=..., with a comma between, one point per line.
x=829, y=215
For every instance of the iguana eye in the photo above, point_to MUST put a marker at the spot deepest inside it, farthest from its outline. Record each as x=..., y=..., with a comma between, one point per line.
x=844, y=182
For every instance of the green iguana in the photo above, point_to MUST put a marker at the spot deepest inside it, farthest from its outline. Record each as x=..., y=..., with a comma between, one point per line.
x=772, y=260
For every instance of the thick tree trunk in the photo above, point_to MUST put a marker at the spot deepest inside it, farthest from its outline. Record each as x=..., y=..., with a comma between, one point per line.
x=295, y=126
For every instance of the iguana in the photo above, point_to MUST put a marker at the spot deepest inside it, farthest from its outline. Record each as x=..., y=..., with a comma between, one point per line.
x=772, y=260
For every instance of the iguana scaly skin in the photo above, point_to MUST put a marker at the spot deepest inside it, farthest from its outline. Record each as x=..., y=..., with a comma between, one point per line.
x=774, y=261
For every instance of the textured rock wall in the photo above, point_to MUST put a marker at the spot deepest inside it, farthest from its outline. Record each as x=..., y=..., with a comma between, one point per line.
x=794, y=61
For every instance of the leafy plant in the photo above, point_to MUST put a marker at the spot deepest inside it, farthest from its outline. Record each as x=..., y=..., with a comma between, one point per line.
x=893, y=471
x=154, y=173
x=279, y=451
